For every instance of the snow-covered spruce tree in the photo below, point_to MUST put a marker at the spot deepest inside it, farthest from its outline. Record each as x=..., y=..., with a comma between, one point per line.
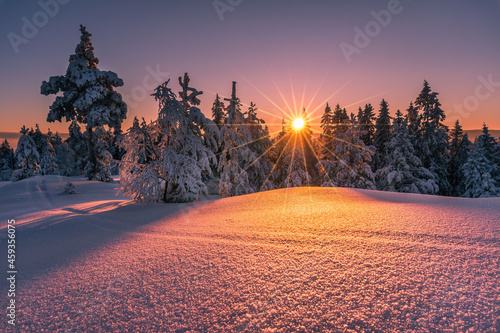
x=260, y=145
x=27, y=157
x=456, y=158
x=404, y=171
x=294, y=162
x=488, y=143
x=432, y=138
x=348, y=165
x=88, y=96
x=382, y=135
x=413, y=119
x=48, y=159
x=218, y=112
x=476, y=175
x=326, y=136
x=236, y=156
x=218, y=117
x=78, y=144
x=7, y=161
x=352, y=161
x=101, y=168
x=278, y=154
x=164, y=160
x=366, y=119
x=339, y=120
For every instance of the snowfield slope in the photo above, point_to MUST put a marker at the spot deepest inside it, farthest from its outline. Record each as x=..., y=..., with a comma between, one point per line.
x=296, y=260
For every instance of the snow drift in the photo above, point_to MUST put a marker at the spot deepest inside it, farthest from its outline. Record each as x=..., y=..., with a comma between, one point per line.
x=300, y=259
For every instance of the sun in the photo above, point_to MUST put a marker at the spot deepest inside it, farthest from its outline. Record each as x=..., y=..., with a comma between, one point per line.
x=298, y=124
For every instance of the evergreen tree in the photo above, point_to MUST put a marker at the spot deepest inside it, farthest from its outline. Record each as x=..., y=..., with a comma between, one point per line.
x=326, y=136
x=88, y=96
x=476, y=175
x=348, y=165
x=413, y=119
x=456, y=157
x=432, y=138
x=488, y=143
x=339, y=120
x=27, y=157
x=78, y=145
x=404, y=171
x=101, y=168
x=164, y=160
x=218, y=113
x=260, y=144
x=48, y=160
x=236, y=156
x=382, y=136
x=7, y=161
x=366, y=119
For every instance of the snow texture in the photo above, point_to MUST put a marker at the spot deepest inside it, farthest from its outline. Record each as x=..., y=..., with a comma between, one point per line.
x=290, y=260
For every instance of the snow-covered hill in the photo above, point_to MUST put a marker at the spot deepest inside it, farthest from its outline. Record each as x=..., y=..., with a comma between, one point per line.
x=302, y=259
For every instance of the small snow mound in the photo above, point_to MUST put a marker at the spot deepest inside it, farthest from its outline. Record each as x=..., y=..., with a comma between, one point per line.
x=70, y=188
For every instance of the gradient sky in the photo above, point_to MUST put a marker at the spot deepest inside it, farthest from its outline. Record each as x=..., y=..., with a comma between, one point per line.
x=268, y=47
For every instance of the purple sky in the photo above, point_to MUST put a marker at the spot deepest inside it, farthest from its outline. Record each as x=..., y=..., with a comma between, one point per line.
x=271, y=48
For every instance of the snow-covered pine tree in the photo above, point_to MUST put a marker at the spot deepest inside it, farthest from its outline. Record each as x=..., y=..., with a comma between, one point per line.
x=48, y=159
x=295, y=164
x=218, y=113
x=260, y=144
x=352, y=158
x=413, y=119
x=27, y=157
x=476, y=175
x=382, y=135
x=77, y=142
x=456, y=158
x=366, y=119
x=348, y=165
x=488, y=143
x=432, y=138
x=101, y=168
x=164, y=160
x=236, y=155
x=88, y=96
x=203, y=128
x=339, y=120
x=7, y=161
x=404, y=171
x=326, y=136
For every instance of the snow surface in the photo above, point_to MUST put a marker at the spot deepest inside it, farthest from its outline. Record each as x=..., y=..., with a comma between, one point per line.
x=291, y=260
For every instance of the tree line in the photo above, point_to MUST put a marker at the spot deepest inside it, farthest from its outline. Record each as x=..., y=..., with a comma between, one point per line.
x=183, y=154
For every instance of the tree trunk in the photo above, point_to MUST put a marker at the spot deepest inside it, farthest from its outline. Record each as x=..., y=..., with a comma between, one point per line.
x=92, y=157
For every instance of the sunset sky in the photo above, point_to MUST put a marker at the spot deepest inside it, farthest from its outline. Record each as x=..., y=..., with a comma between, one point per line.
x=283, y=54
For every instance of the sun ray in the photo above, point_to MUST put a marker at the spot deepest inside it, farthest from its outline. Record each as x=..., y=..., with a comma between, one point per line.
x=265, y=96
x=280, y=93
x=292, y=90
